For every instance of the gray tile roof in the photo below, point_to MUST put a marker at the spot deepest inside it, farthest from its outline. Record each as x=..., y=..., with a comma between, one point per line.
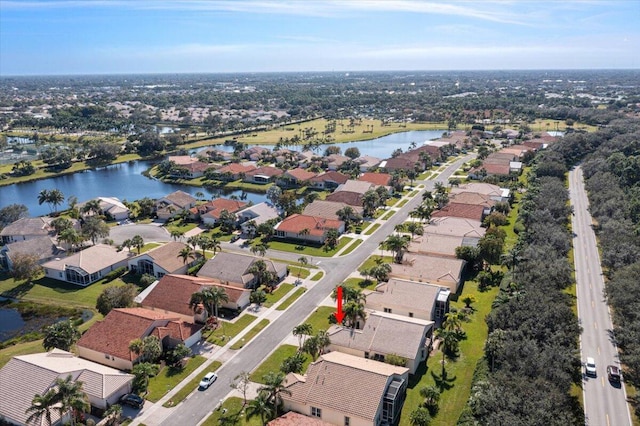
x=412, y=295
x=27, y=226
x=91, y=259
x=232, y=267
x=43, y=247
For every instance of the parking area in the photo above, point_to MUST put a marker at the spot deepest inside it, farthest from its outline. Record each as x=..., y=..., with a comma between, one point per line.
x=148, y=233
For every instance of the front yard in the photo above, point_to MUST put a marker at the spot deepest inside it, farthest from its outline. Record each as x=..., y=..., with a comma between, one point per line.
x=169, y=377
x=273, y=362
x=229, y=330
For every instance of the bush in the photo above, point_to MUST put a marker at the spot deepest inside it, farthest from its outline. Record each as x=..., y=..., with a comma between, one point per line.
x=146, y=280
x=117, y=273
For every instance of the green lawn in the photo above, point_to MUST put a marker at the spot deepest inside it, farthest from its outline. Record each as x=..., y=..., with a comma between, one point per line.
x=424, y=176
x=299, y=272
x=250, y=334
x=371, y=229
x=413, y=193
x=181, y=226
x=229, y=330
x=186, y=390
x=360, y=283
x=20, y=349
x=388, y=214
x=48, y=291
x=234, y=415
x=391, y=202
x=169, y=377
x=459, y=372
x=319, y=319
x=282, y=290
x=149, y=246
x=403, y=202
x=318, y=276
x=273, y=362
x=308, y=250
x=371, y=262
x=352, y=247
x=289, y=300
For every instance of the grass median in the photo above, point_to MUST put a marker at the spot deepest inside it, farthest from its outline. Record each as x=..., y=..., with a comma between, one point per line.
x=250, y=334
x=186, y=390
x=229, y=330
x=169, y=377
x=289, y=300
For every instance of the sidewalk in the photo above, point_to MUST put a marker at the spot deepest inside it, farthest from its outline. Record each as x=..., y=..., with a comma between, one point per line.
x=156, y=413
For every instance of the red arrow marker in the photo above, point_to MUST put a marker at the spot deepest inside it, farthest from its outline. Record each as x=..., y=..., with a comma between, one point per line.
x=339, y=313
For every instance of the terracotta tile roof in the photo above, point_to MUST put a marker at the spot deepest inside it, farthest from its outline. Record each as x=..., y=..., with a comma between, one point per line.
x=235, y=168
x=183, y=160
x=180, y=199
x=347, y=197
x=113, y=334
x=214, y=208
x=91, y=259
x=317, y=226
x=345, y=383
x=469, y=211
x=173, y=292
x=265, y=171
x=295, y=419
x=472, y=198
x=376, y=178
x=384, y=334
x=330, y=176
x=399, y=163
x=166, y=256
x=494, y=169
x=299, y=174
x=26, y=375
x=327, y=209
x=197, y=166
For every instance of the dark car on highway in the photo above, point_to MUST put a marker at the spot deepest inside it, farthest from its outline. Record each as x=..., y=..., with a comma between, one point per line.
x=613, y=373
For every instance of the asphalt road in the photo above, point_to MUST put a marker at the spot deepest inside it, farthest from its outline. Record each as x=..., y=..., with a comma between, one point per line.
x=200, y=404
x=604, y=403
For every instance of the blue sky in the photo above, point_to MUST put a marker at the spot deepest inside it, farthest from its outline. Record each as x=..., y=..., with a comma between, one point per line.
x=158, y=36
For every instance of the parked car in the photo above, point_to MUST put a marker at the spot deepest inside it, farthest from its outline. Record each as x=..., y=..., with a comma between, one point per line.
x=207, y=380
x=590, y=367
x=132, y=400
x=613, y=373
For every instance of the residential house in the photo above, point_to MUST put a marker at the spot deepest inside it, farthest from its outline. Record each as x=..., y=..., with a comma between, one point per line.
x=295, y=177
x=233, y=171
x=398, y=163
x=87, y=266
x=367, y=162
x=351, y=198
x=216, y=154
x=44, y=248
x=193, y=165
x=473, y=198
x=210, y=212
x=255, y=153
x=172, y=204
x=385, y=334
x=233, y=269
x=328, y=180
x=263, y=175
x=467, y=211
x=440, y=245
x=172, y=295
x=107, y=342
x=308, y=228
x=456, y=226
x=357, y=186
x=442, y=271
x=410, y=299
x=344, y=389
x=255, y=215
x=334, y=161
x=27, y=228
x=494, y=192
x=161, y=261
x=111, y=207
x=328, y=209
x=24, y=376
x=378, y=179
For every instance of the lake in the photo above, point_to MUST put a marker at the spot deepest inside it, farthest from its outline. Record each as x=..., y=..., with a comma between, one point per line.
x=126, y=182
x=10, y=323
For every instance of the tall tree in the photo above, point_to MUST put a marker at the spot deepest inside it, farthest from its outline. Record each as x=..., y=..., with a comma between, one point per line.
x=398, y=245
x=241, y=383
x=214, y=297
x=42, y=407
x=94, y=228
x=71, y=396
x=275, y=388
x=302, y=330
x=138, y=242
x=62, y=335
x=260, y=406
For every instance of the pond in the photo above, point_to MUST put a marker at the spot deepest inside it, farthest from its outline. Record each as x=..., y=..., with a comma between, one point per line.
x=10, y=323
x=126, y=182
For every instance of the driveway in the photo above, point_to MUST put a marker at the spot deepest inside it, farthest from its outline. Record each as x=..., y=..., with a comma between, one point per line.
x=148, y=233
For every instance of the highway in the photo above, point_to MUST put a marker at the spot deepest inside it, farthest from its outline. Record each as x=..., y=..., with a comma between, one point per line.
x=604, y=403
x=199, y=405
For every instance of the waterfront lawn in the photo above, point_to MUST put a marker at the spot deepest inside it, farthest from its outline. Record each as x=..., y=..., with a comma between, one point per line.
x=274, y=361
x=169, y=377
x=250, y=334
x=186, y=390
x=289, y=300
x=319, y=319
x=231, y=413
x=47, y=290
x=20, y=349
x=229, y=330
x=307, y=249
x=371, y=229
x=459, y=372
x=273, y=297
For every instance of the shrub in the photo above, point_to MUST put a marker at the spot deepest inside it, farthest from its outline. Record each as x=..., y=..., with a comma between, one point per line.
x=116, y=273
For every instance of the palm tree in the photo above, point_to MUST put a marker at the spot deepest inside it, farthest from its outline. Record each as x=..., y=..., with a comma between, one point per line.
x=304, y=262
x=304, y=329
x=186, y=253
x=275, y=387
x=138, y=242
x=113, y=415
x=44, y=197
x=72, y=397
x=214, y=244
x=323, y=340
x=452, y=322
x=197, y=299
x=142, y=372
x=259, y=249
x=397, y=244
x=414, y=228
x=214, y=297
x=261, y=407
x=176, y=234
x=56, y=197
x=353, y=312
x=42, y=406
x=92, y=206
x=136, y=346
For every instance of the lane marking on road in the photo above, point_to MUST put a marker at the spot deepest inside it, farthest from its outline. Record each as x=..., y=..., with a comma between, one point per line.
x=595, y=325
x=598, y=350
x=602, y=381
x=593, y=304
x=607, y=415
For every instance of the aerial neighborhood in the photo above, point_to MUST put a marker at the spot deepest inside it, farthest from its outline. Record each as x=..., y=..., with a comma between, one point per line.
x=281, y=266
